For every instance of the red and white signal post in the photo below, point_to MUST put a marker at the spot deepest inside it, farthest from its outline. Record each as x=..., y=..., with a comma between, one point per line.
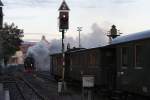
x=63, y=27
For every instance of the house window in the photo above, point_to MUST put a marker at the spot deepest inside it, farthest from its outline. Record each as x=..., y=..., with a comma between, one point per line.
x=124, y=57
x=138, y=54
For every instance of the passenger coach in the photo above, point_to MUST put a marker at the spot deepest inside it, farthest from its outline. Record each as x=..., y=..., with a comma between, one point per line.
x=133, y=63
x=123, y=65
x=98, y=62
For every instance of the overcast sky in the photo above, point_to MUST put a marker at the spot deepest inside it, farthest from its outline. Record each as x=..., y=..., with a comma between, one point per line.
x=39, y=17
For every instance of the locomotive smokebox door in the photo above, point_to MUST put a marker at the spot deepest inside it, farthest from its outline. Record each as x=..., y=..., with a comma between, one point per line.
x=64, y=16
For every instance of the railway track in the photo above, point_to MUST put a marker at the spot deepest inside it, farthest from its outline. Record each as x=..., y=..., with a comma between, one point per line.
x=14, y=91
x=20, y=89
x=45, y=87
x=28, y=91
x=45, y=76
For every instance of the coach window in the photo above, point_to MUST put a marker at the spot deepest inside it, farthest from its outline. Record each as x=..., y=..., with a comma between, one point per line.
x=91, y=59
x=55, y=61
x=125, y=57
x=70, y=61
x=74, y=60
x=138, y=52
x=82, y=59
x=59, y=61
x=94, y=59
x=85, y=59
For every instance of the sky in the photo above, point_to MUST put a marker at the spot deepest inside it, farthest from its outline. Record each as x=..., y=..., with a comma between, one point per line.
x=40, y=17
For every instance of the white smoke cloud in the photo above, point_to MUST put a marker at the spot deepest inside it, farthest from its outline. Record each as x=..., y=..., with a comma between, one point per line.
x=40, y=53
x=96, y=38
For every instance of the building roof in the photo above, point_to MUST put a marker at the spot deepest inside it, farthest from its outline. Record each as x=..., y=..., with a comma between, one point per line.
x=1, y=4
x=64, y=6
x=44, y=39
x=132, y=37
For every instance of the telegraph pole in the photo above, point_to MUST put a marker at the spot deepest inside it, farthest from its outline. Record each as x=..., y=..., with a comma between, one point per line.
x=79, y=30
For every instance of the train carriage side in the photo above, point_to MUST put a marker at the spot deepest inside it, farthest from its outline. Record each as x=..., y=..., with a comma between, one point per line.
x=99, y=62
x=108, y=65
x=56, y=65
x=133, y=66
x=83, y=62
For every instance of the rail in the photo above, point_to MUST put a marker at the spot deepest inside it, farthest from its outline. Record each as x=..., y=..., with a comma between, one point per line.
x=31, y=92
x=14, y=90
x=46, y=76
x=20, y=89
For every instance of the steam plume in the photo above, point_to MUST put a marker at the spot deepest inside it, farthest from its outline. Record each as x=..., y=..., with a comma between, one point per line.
x=96, y=38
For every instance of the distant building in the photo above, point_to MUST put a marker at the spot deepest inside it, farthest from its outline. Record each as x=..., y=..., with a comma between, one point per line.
x=25, y=45
x=19, y=56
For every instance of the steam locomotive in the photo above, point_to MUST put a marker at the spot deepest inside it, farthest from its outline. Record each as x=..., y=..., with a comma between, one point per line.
x=122, y=66
x=29, y=64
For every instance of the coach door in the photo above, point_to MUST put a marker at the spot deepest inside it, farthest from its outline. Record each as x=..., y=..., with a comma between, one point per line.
x=109, y=69
x=67, y=65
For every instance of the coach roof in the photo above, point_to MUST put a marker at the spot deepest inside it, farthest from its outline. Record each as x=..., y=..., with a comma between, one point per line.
x=132, y=37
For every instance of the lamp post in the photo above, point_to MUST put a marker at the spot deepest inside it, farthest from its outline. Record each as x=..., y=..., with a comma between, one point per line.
x=63, y=27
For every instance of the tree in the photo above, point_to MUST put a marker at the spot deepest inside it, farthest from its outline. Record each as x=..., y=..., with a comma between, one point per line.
x=10, y=41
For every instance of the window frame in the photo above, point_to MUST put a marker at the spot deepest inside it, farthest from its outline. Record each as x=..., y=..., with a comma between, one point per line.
x=92, y=59
x=136, y=66
x=121, y=56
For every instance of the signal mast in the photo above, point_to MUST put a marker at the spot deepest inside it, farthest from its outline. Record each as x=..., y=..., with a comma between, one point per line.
x=1, y=14
x=63, y=27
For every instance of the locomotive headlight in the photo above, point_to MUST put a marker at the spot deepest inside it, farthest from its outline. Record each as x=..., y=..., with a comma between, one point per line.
x=81, y=72
x=121, y=73
x=145, y=89
x=70, y=69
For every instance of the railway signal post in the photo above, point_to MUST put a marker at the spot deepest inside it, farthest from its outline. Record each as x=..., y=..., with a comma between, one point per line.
x=63, y=27
x=1, y=14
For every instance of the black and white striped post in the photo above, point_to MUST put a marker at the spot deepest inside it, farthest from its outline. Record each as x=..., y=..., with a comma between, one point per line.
x=63, y=62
